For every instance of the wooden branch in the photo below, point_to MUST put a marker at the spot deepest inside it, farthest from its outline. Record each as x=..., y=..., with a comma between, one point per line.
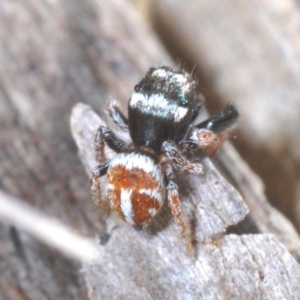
x=48, y=230
x=233, y=267
x=236, y=267
x=263, y=218
x=57, y=53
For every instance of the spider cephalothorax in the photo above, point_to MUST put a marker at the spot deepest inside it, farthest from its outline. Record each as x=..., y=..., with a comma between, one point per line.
x=161, y=112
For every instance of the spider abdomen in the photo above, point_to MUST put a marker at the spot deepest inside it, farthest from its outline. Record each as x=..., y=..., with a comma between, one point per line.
x=135, y=187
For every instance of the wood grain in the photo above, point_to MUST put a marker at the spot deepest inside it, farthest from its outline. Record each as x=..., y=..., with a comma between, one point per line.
x=54, y=54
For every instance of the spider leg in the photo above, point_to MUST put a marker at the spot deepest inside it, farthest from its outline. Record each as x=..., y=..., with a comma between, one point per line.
x=178, y=160
x=174, y=204
x=116, y=115
x=96, y=187
x=209, y=135
x=223, y=120
x=104, y=136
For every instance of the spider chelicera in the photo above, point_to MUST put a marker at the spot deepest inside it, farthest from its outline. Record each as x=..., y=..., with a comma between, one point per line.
x=161, y=112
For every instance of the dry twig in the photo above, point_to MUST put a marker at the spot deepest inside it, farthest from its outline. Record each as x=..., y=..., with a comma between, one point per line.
x=45, y=229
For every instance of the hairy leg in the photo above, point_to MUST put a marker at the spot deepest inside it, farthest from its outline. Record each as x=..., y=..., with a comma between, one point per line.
x=178, y=160
x=96, y=187
x=209, y=135
x=116, y=115
x=175, y=206
x=104, y=136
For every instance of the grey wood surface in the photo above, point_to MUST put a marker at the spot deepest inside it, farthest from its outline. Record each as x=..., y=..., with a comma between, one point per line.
x=54, y=55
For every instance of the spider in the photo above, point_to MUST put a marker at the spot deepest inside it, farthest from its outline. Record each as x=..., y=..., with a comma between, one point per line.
x=161, y=112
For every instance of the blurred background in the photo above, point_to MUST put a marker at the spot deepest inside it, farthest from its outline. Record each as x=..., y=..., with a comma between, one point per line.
x=54, y=54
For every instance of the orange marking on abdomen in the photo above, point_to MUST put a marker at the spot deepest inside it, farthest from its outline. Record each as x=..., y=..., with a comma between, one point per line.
x=133, y=194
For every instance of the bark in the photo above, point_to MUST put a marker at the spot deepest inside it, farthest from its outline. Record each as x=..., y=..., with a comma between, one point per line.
x=235, y=267
x=53, y=55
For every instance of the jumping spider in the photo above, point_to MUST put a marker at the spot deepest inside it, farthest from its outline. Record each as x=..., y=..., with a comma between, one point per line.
x=161, y=112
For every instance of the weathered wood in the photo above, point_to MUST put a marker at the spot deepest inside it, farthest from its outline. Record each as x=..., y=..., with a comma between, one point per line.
x=233, y=267
x=248, y=53
x=236, y=267
x=208, y=199
x=54, y=54
x=263, y=218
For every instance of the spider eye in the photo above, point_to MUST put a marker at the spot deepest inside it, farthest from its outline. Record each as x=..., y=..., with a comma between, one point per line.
x=137, y=88
x=183, y=102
